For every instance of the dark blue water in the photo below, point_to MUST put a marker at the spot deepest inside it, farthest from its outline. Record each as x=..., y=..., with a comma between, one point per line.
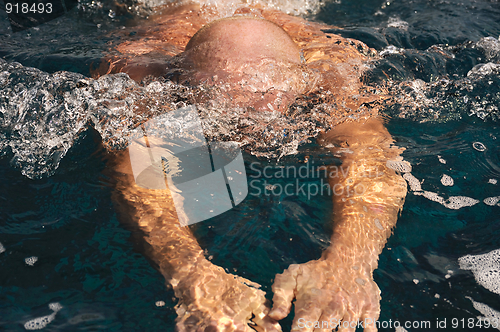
x=90, y=264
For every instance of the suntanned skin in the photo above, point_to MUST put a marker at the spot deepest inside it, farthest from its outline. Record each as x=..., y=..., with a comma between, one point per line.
x=339, y=285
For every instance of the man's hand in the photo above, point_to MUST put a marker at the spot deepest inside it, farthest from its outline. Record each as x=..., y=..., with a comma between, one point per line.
x=328, y=293
x=212, y=300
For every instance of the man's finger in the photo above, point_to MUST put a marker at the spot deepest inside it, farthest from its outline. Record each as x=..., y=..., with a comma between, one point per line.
x=306, y=316
x=263, y=322
x=284, y=289
x=370, y=315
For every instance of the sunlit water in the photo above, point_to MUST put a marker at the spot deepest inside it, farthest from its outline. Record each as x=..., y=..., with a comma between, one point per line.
x=66, y=263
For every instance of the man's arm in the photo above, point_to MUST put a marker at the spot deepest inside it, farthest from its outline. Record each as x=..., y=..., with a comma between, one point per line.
x=209, y=298
x=368, y=195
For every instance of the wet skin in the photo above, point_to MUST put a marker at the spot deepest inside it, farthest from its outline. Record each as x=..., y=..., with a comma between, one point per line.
x=339, y=285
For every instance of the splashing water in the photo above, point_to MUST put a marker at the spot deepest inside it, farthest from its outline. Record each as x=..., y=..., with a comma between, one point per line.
x=42, y=115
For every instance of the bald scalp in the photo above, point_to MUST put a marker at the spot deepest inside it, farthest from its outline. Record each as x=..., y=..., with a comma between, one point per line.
x=229, y=43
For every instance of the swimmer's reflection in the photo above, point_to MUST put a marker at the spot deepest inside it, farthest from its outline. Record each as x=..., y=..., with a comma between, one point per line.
x=260, y=66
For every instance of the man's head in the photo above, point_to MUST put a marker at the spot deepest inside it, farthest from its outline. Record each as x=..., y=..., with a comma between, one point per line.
x=230, y=43
x=254, y=59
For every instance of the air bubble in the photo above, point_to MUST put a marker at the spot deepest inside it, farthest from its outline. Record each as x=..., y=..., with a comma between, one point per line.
x=479, y=146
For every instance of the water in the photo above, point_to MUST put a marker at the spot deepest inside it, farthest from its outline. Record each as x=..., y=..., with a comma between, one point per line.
x=440, y=62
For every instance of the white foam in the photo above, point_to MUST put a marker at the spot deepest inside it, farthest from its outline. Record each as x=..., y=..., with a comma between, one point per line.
x=453, y=202
x=484, y=69
x=56, y=306
x=447, y=180
x=41, y=322
x=2, y=248
x=490, y=46
x=399, y=165
x=228, y=7
x=395, y=22
x=490, y=314
x=391, y=49
x=31, y=260
x=485, y=267
x=413, y=182
x=491, y=200
x=431, y=196
x=458, y=202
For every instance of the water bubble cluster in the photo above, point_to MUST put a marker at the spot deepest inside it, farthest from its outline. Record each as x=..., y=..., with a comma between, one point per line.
x=453, y=202
x=31, y=260
x=293, y=7
x=430, y=95
x=485, y=267
x=447, y=180
x=399, y=165
x=491, y=314
x=491, y=201
x=43, y=114
x=41, y=322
